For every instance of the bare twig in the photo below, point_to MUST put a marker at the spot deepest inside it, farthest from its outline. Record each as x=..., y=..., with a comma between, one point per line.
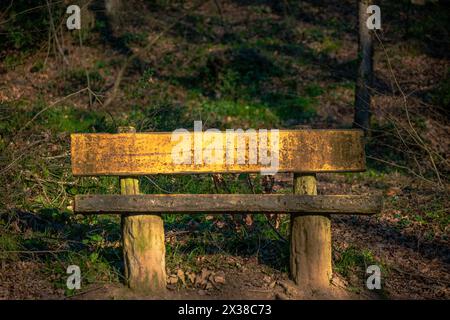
x=35, y=251
x=131, y=57
x=88, y=80
x=55, y=35
x=156, y=185
x=402, y=167
x=48, y=107
x=29, y=10
x=413, y=133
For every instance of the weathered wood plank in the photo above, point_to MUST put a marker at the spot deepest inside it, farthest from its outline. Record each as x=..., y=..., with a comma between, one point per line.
x=151, y=153
x=226, y=203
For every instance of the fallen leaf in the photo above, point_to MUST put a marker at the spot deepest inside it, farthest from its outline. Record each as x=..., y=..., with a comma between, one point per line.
x=173, y=279
x=219, y=279
x=393, y=191
x=180, y=275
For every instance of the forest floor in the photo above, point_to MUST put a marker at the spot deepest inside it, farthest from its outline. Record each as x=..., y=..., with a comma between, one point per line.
x=231, y=65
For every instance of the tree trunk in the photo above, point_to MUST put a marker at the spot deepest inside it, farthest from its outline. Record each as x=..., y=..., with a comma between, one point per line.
x=113, y=7
x=364, y=79
x=310, y=256
x=113, y=10
x=143, y=244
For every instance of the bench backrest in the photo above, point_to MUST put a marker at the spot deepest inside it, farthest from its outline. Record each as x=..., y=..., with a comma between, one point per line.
x=133, y=154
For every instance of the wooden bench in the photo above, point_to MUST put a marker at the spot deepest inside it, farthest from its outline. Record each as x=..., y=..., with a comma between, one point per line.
x=303, y=152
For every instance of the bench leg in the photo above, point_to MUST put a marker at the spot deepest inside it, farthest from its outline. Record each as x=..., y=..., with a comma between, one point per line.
x=310, y=251
x=143, y=247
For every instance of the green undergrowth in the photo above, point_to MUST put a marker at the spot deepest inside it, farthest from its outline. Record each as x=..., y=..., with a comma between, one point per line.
x=352, y=263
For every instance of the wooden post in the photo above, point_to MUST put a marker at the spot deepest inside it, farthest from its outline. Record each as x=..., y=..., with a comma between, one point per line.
x=310, y=252
x=364, y=79
x=143, y=243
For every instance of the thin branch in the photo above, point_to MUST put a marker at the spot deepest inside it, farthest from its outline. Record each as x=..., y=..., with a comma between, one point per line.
x=401, y=167
x=156, y=185
x=414, y=133
x=131, y=57
x=36, y=251
x=48, y=107
x=52, y=26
